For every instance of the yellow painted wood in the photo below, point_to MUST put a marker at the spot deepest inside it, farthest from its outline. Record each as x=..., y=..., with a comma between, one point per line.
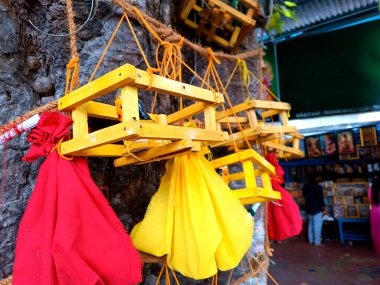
x=269, y=113
x=187, y=9
x=108, y=150
x=248, y=154
x=175, y=88
x=80, y=125
x=274, y=195
x=296, y=143
x=119, y=77
x=234, y=37
x=156, y=153
x=249, y=174
x=296, y=135
x=154, y=131
x=215, y=24
x=130, y=129
x=240, y=175
x=101, y=111
x=254, y=104
x=129, y=102
x=269, y=129
x=233, y=12
x=209, y=118
x=284, y=118
x=267, y=184
x=233, y=120
x=141, y=144
x=284, y=148
x=252, y=118
x=187, y=112
x=245, y=192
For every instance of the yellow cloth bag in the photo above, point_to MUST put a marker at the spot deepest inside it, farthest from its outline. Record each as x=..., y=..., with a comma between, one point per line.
x=195, y=219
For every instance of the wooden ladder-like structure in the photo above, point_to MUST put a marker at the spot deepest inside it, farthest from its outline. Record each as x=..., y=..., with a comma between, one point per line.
x=251, y=193
x=162, y=137
x=276, y=135
x=218, y=21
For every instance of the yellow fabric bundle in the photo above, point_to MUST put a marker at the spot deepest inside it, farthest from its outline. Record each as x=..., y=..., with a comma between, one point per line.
x=195, y=219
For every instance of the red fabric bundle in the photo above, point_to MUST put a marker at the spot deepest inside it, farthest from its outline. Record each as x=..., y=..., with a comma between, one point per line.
x=283, y=221
x=69, y=234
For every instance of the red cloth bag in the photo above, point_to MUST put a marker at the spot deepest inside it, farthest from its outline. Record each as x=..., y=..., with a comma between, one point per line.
x=69, y=234
x=283, y=221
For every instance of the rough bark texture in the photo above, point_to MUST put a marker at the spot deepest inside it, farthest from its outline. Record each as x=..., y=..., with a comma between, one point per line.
x=32, y=73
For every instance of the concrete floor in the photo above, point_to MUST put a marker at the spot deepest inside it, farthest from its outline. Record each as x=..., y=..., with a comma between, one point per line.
x=298, y=263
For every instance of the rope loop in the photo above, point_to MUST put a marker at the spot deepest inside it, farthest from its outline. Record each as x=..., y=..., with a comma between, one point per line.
x=59, y=151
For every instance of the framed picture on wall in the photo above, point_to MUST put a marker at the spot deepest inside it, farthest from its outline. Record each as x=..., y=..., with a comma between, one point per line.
x=346, y=143
x=313, y=146
x=329, y=144
x=368, y=136
x=363, y=211
x=351, y=211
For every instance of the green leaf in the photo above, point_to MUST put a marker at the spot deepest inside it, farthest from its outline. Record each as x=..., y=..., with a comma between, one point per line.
x=286, y=12
x=290, y=4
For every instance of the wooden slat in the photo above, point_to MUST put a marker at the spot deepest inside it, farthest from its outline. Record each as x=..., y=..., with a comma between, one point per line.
x=130, y=103
x=101, y=111
x=254, y=104
x=187, y=112
x=269, y=113
x=248, y=154
x=154, y=131
x=284, y=148
x=233, y=12
x=80, y=125
x=156, y=153
x=101, y=137
x=101, y=86
x=108, y=150
x=175, y=88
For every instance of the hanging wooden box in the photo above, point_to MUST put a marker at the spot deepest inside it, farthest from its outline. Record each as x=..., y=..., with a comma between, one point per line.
x=219, y=22
x=162, y=132
x=251, y=193
x=271, y=134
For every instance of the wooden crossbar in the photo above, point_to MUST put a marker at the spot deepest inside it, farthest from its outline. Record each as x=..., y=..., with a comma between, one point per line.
x=129, y=75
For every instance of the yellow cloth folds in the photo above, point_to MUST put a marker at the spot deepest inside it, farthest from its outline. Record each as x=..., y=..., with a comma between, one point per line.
x=195, y=219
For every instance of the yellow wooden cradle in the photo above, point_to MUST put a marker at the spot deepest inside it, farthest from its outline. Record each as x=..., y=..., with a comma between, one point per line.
x=161, y=137
x=252, y=193
x=218, y=21
x=274, y=135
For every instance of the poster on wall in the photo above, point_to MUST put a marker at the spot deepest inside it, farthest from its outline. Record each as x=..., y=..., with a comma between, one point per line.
x=346, y=142
x=329, y=144
x=313, y=146
x=368, y=136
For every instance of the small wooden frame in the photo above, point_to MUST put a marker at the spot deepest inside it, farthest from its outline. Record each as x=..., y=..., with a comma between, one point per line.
x=153, y=139
x=274, y=135
x=218, y=21
x=368, y=136
x=251, y=193
x=351, y=211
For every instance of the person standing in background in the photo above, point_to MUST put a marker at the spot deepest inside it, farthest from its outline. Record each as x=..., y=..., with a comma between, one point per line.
x=373, y=195
x=314, y=206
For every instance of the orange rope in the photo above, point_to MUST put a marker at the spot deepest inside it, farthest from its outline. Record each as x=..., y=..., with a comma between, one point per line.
x=72, y=80
x=106, y=48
